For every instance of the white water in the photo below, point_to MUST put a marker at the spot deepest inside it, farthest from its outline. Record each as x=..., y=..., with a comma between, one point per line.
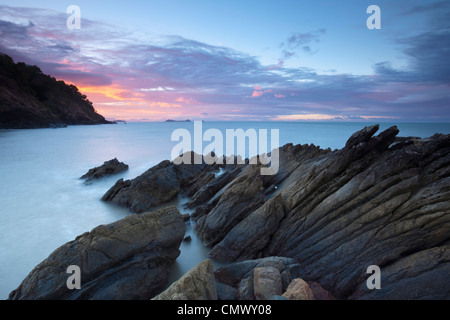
x=43, y=204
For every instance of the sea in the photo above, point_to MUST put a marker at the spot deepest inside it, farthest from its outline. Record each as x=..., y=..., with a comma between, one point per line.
x=44, y=204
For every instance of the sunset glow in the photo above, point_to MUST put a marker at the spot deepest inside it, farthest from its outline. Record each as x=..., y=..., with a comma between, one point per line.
x=294, y=62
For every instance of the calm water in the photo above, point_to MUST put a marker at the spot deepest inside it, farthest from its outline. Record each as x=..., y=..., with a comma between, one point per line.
x=43, y=204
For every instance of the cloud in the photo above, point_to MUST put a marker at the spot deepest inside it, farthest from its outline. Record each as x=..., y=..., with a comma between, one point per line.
x=131, y=77
x=301, y=40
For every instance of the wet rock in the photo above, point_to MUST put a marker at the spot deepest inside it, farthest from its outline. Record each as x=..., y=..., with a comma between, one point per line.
x=235, y=204
x=252, y=234
x=127, y=259
x=156, y=186
x=108, y=168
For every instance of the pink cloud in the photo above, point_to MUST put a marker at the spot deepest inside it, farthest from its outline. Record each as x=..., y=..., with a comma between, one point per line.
x=258, y=88
x=279, y=96
x=257, y=94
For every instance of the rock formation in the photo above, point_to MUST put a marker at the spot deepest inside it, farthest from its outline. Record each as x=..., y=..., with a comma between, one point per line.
x=156, y=186
x=106, y=169
x=127, y=259
x=381, y=200
x=321, y=221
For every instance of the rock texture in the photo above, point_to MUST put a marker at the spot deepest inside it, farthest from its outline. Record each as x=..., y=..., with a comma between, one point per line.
x=127, y=259
x=381, y=200
x=106, y=169
x=325, y=217
x=156, y=186
x=266, y=282
x=298, y=289
x=197, y=284
x=252, y=234
x=31, y=99
x=269, y=278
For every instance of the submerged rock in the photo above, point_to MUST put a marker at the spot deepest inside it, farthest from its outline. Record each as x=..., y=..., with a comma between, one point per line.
x=127, y=259
x=108, y=168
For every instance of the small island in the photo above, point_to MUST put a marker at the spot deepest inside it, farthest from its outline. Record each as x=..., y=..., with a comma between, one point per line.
x=171, y=120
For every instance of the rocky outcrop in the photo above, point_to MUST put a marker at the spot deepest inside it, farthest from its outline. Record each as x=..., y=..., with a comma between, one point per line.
x=197, y=284
x=127, y=259
x=325, y=217
x=241, y=197
x=106, y=169
x=156, y=186
x=252, y=234
x=380, y=200
x=30, y=99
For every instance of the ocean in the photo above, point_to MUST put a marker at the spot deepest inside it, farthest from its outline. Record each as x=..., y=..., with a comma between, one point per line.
x=44, y=204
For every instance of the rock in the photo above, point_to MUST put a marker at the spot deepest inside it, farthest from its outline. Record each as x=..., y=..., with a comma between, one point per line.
x=108, y=168
x=298, y=289
x=187, y=239
x=210, y=189
x=266, y=282
x=156, y=186
x=225, y=292
x=379, y=200
x=422, y=275
x=368, y=204
x=252, y=234
x=197, y=284
x=127, y=259
x=245, y=289
x=319, y=292
x=236, y=203
x=186, y=217
x=233, y=273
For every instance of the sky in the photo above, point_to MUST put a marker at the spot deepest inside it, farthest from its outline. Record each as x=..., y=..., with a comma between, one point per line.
x=266, y=60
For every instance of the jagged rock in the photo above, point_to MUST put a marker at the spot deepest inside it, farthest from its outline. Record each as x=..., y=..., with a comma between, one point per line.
x=266, y=282
x=298, y=289
x=236, y=203
x=251, y=235
x=127, y=259
x=108, y=168
x=367, y=204
x=154, y=187
x=210, y=189
x=197, y=284
x=422, y=275
x=379, y=200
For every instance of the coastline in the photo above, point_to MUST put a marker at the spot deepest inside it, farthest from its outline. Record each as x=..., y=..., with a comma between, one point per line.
x=381, y=146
